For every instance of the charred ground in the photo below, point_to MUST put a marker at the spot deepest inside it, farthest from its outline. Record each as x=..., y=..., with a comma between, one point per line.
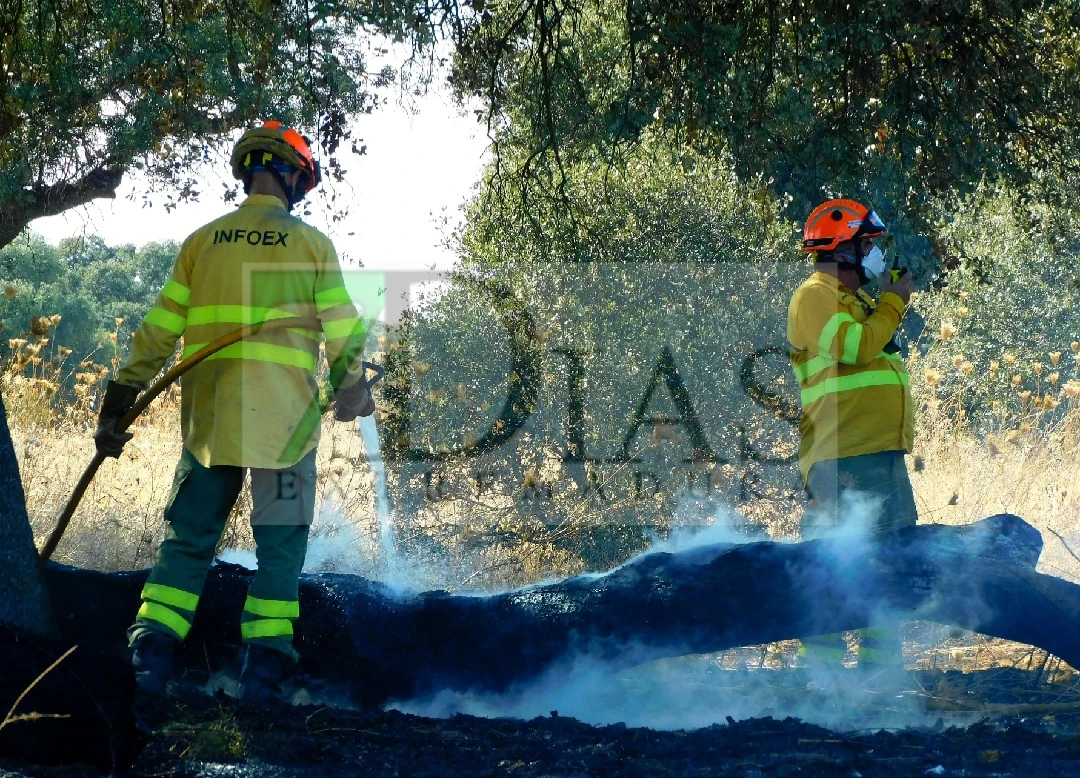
x=1026, y=728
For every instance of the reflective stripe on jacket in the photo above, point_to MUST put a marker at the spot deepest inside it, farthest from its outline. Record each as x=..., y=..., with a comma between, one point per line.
x=855, y=397
x=254, y=403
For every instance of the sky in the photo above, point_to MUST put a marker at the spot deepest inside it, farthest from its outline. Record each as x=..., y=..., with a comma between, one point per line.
x=422, y=162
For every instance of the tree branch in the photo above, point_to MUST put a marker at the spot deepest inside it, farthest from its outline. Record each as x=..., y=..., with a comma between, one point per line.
x=16, y=213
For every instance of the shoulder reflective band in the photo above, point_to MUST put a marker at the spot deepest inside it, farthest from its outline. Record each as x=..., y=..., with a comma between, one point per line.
x=828, y=332
x=260, y=352
x=849, y=383
x=852, y=339
x=177, y=292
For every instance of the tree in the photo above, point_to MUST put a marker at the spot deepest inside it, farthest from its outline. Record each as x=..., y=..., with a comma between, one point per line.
x=893, y=102
x=644, y=293
x=90, y=90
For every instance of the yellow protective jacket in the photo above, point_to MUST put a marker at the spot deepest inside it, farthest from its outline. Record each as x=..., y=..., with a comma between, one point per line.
x=855, y=397
x=254, y=403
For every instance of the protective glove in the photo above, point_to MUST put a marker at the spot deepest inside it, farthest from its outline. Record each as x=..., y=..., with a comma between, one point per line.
x=118, y=400
x=354, y=400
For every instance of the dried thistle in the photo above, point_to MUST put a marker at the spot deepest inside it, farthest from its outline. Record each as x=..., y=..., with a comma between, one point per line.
x=947, y=331
x=1053, y=378
x=1055, y=357
x=1036, y=368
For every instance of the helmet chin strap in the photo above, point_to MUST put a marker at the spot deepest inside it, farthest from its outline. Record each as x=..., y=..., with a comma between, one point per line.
x=843, y=261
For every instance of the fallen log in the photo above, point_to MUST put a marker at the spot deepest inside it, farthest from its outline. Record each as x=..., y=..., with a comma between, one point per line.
x=381, y=645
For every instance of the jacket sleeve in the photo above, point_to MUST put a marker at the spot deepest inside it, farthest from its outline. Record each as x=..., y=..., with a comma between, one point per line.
x=155, y=340
x=342, y=328
x=825, y=328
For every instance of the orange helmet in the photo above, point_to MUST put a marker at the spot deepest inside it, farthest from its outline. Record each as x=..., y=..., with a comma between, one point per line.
x=262, y=147
x=836, y=221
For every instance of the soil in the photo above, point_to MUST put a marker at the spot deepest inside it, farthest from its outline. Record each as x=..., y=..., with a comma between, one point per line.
x=1026, y=727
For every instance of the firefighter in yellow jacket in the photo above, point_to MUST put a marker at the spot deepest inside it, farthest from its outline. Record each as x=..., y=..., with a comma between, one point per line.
x=252, y=407
x=856, y=422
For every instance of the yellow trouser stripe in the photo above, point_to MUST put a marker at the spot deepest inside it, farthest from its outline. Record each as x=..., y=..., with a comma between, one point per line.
x=266, y=628
x=174, y=323
x=260, y=352
x=274, y=609
x=343, y=328
x=328, y=298
x=824, y=648
x=167, y=616
x=170, y=595
x=177, y=292
x=849, y=383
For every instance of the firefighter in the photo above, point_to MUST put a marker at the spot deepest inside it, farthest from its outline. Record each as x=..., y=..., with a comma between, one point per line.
x=856, y=422
x=250, y=408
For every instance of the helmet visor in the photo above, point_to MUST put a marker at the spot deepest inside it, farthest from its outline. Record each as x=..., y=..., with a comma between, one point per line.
x=871, y=225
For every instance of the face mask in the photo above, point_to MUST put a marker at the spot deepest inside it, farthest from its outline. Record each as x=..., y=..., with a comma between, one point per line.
x=874, y=263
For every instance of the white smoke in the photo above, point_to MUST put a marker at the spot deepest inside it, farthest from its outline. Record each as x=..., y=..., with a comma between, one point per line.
x=696, y=691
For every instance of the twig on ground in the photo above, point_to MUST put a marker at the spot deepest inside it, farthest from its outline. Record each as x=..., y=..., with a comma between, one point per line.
x=11, y=717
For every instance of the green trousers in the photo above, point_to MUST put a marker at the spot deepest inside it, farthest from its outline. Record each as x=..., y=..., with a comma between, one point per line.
x=884, y=477
x=283, y=505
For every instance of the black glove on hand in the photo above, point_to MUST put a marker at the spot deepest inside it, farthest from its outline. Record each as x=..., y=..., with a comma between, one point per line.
x=354, y=400
x=118, y=400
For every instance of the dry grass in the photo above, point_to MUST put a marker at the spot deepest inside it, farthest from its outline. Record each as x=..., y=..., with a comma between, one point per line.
x=1026, y=467
x=118, y=525
x=960, y=478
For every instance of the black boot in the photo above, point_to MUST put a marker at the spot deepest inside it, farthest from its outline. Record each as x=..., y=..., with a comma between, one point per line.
x=152, y=659
x=264, y=670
